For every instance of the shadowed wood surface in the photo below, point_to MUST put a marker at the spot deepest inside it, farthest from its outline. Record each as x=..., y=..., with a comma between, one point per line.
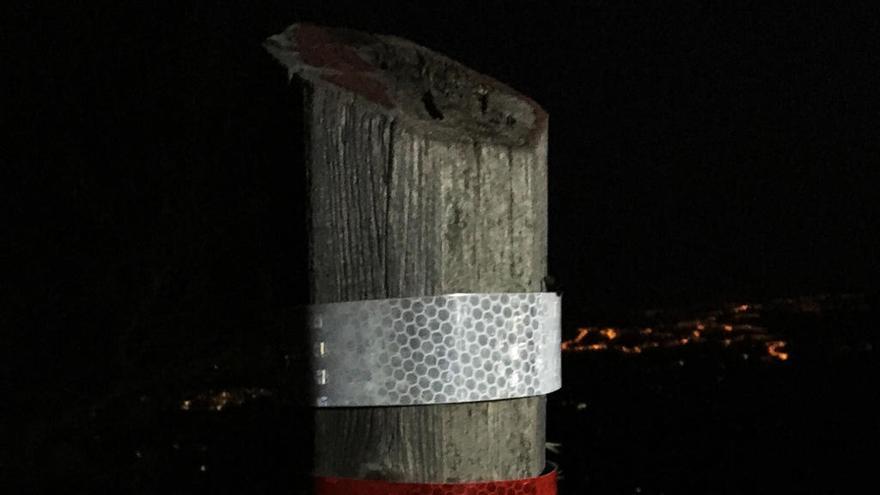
x=425, y=178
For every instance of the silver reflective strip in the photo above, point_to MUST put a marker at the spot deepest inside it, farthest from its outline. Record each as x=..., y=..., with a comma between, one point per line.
x=435, y=350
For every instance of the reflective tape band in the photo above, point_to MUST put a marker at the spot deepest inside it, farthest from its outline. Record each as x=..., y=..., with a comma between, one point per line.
x=436, y=349
x=544, y=484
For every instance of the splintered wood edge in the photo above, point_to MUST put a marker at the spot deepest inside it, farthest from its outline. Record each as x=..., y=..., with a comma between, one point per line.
x=428, y=91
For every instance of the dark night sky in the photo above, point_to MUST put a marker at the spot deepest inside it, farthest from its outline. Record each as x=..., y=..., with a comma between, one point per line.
x=697, y=152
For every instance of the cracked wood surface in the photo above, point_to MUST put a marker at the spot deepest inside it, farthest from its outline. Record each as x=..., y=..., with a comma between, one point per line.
x=425, y=178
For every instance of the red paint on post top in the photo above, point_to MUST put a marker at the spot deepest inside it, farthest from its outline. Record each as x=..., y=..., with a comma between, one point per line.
x=319, y=48
x=541, y=485
x=368, y=87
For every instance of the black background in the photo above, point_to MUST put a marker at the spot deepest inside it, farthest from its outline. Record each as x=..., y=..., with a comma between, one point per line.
x=699, y=151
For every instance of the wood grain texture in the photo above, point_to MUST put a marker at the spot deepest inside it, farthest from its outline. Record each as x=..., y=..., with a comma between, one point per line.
x=427, y=196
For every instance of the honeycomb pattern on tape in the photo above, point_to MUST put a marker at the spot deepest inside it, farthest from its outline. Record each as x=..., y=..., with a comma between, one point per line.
x=436, y=349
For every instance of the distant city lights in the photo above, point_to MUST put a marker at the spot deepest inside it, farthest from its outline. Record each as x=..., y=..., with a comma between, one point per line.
x=723, y=327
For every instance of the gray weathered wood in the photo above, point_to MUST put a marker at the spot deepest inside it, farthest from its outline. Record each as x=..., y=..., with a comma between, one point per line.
x=425, y=178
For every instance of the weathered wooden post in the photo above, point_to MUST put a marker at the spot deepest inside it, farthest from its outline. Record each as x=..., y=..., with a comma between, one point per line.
x=425, y=178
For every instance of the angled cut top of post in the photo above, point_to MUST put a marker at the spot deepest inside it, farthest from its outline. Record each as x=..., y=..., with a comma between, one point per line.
x=422, y=88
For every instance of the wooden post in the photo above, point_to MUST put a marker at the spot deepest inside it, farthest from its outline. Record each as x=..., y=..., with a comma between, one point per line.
x=425, y=178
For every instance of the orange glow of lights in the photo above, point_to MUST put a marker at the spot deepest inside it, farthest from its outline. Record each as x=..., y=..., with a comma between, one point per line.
x=684, y=341
x=728, y=328
x=696, y=334
x=700, y=327
x=775, y=349
x=742, y=308
x=597, y=347
x=646, y=331
x=610, y=333
x=222, y=400
x=574, y=344
x=582, y=333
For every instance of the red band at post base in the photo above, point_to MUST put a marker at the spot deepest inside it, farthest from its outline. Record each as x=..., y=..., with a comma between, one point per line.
x=544, y=484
